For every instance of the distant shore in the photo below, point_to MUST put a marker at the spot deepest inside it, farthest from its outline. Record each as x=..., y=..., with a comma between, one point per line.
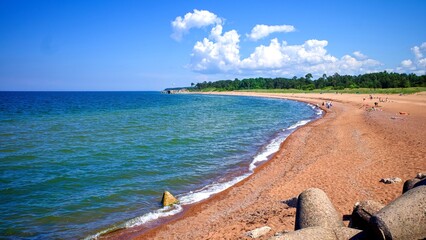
x=345, y=153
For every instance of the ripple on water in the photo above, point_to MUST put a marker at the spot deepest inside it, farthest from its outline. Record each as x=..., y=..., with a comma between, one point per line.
x=74, y=164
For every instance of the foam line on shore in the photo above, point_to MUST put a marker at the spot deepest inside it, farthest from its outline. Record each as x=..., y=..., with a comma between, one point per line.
x=159, y=213
x=207, y=191
x=151, y=216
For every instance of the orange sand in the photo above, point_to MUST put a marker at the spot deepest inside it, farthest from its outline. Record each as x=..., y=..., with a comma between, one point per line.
x=345, y=153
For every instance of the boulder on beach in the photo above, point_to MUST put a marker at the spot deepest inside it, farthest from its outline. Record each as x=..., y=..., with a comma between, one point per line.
x=258, y=232
x=362, y=213
x=409, y=184
x=390, y=180
x=168, y=199
x=344, y=233
x=419, y=180
x=309, y=233
x=404, y=218
x=314, y=209
x=422, y=182
x=320, y=233
x=421, y=175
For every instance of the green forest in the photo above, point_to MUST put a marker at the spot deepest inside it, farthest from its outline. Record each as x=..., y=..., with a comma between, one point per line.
x=334, y=82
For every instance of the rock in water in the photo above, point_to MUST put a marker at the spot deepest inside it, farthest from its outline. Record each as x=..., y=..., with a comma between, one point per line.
x=168, y=199
x=314, y=209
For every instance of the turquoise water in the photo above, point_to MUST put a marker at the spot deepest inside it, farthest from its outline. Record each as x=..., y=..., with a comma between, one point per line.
x=75, y=164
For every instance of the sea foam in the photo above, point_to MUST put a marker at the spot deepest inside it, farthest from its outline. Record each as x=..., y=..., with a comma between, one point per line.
x=214, y=188
x=125, y=148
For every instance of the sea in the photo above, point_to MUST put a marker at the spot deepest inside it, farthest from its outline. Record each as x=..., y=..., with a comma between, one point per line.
x=76, y=165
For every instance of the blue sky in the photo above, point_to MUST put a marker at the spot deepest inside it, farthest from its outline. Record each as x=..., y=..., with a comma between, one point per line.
x=151, y=45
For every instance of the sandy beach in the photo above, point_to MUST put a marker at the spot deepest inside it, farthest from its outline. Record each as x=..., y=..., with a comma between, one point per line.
x=345, y=153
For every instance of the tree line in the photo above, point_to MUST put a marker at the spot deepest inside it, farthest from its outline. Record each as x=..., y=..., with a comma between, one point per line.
x=336, y=82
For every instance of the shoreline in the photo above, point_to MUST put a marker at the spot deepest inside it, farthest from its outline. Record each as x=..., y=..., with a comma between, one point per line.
x=121, y=232
x=267, y=196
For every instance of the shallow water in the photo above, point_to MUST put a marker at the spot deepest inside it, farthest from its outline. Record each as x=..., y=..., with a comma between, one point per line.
x=73, y=164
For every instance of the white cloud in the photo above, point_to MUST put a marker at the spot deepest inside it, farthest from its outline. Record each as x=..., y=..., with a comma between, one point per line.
x=407, y=63
x=265, y=57
x=416, y=65
x=312, y=57
x=196, y=19
x=277, y=58
x=359, y=55
x=220, y=52
x=261, y=31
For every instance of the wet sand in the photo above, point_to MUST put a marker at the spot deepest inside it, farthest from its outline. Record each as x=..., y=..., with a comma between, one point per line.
x=345, y=153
